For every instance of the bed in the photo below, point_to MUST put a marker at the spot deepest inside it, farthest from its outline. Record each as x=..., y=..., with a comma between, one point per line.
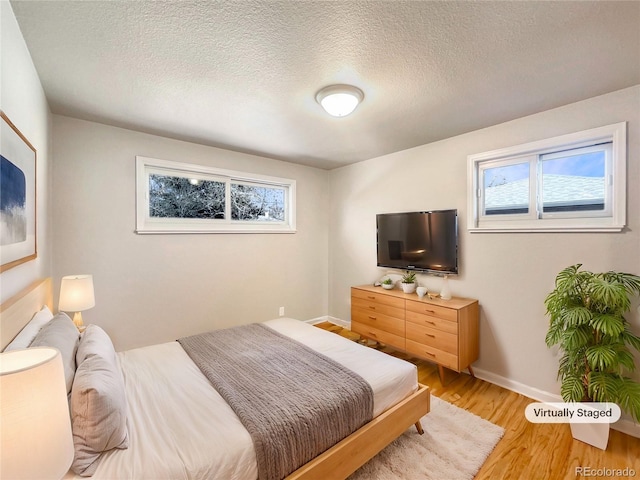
x=200, y=436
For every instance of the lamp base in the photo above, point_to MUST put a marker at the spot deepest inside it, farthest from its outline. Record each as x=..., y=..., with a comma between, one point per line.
x=77, y=320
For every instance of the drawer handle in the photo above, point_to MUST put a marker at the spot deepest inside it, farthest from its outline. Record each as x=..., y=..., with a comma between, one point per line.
x=371, y=297
x=373, y=318
x=431, y=354
x=429, y=335
x=372, y=334
x=429, y=322
x=430, y=311
x=372, y=307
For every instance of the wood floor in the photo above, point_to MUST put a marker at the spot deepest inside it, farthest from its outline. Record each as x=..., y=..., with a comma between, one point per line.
x=527, y=451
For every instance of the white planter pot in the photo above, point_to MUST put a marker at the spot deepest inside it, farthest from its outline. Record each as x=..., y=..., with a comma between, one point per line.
x=408, y=287
x=596, y=434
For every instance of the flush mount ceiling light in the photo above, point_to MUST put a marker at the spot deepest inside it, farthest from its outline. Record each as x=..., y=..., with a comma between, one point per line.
x=339, y=100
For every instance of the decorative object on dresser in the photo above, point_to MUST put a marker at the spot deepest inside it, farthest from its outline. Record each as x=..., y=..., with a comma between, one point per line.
x=387, y=284
x=409, y=282
x=35, y=426
x=444, y=332
x=76, y=295
x=445, y=293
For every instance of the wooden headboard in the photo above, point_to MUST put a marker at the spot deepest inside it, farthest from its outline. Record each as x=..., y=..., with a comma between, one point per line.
x=16, y=312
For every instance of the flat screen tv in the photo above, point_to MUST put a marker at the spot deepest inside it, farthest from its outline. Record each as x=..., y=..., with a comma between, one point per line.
x=423, y=241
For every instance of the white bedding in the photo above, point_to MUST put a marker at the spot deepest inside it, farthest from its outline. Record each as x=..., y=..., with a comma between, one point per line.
x=181, y=428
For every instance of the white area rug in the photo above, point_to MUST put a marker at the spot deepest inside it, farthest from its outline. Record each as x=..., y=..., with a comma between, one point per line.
x=454, y=446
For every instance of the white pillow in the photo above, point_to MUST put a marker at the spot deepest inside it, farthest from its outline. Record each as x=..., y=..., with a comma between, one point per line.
x=98, y=402
x=61, y=333
x=30, y=330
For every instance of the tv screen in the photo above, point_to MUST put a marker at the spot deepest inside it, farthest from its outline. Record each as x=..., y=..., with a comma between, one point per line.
x=425, y=241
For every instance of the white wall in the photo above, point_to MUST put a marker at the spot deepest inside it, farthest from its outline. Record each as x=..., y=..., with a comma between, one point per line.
x=156, y=288
x=510, y=273
x=22, y=100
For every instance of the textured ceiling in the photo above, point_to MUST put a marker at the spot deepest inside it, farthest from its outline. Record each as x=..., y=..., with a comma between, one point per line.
x=243, y=75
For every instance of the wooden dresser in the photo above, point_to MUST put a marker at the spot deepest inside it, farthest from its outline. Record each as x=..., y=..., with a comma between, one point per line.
x=442, y=331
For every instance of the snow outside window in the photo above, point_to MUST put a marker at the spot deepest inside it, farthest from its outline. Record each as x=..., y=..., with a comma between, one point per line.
x=174, y=197
x=574, y=182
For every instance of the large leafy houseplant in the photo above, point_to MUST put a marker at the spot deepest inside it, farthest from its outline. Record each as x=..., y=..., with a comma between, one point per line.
x=587, y=322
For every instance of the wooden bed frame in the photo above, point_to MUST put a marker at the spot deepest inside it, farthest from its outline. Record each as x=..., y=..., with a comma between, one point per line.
x=339, y=461
x=16, y=312
x=347, y=456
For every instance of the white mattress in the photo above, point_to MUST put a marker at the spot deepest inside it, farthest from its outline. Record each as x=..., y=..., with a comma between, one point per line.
x=181, y=428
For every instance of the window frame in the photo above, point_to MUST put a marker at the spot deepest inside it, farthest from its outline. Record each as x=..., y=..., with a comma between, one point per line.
x=608, y=190
x=495, y=163
x=145, y=224
x=612, y=219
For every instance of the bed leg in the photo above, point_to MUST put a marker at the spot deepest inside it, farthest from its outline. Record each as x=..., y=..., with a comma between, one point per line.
x=419, y=427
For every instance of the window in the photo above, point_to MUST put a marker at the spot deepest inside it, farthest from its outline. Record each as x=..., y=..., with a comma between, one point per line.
x=174, y=197
x=574, y=182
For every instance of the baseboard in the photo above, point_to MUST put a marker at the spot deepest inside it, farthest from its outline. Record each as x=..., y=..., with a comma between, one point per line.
x=313, y=321
x=330, y=319
x=340, y=322
x=521, y=388
x=623, y=425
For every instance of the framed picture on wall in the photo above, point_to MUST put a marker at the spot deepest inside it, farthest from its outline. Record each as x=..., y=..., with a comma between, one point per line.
x=17, y=197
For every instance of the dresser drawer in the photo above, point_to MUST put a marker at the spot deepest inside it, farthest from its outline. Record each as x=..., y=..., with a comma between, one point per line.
x=377, y=307
x=442, y=331
x=432, y=310
x=432, y=322
x=425, y=351
x=381, y=298
x=378, y=320
x=377, y=334
x=444, y=341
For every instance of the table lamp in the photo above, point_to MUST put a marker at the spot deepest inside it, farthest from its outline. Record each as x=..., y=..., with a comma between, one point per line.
x=76, y=295
x=35, y=427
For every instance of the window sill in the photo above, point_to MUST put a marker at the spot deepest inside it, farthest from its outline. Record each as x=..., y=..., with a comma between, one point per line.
x=220, y=230
x=548, y=229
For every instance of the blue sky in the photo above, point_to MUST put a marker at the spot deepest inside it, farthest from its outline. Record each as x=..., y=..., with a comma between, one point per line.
x=585, y=165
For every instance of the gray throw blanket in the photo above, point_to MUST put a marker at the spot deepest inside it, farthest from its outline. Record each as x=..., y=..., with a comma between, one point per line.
x=294, y=401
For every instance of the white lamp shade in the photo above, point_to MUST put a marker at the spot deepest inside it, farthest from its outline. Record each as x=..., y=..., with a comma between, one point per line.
x=34, y=415
x=76, y=293
x=339, y=100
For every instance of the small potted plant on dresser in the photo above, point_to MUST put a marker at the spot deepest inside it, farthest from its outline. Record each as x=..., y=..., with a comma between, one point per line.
x=409, y=282
x=387, y=283
x=587, y=321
